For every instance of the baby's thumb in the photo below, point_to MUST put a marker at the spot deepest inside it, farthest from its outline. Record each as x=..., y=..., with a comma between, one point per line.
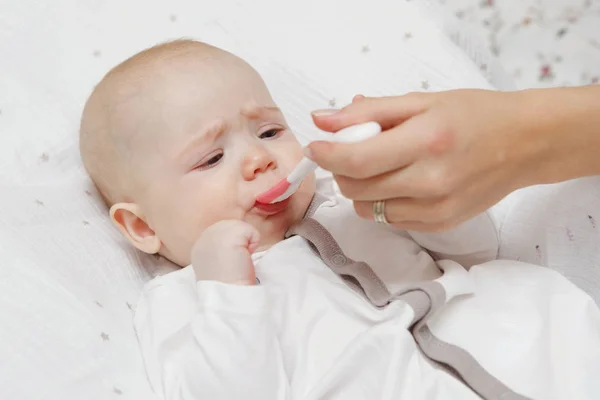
x=252, y=238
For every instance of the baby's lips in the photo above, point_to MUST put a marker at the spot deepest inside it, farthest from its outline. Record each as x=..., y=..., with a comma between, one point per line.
x=263, y=197
x=274, y=192
x=266, y=197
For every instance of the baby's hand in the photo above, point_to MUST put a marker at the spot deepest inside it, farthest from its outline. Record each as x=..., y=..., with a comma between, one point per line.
x=222, y=253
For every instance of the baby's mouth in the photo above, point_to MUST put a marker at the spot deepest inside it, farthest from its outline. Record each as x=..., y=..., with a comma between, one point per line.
x=271, y=209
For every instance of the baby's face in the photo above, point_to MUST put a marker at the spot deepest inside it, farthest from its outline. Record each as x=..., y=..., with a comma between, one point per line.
x=213, y=141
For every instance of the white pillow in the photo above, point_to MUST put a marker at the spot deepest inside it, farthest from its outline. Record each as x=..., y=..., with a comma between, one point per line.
x=68, y=281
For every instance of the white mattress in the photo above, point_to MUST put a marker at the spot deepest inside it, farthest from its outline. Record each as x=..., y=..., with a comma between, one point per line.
x=68, y=282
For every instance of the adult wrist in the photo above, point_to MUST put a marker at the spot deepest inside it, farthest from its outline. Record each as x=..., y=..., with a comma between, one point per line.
x=561, y=131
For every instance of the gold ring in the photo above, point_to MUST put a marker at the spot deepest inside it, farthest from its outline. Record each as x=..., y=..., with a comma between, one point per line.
x=379, y=212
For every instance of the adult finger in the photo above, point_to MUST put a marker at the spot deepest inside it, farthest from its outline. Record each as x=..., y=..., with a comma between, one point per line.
x=387, y=111
x=388, y=151
x=408, y=209
x=429, y=227
x=413, y=181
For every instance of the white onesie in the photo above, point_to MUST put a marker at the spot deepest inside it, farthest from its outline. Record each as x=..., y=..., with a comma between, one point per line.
x=303, y=333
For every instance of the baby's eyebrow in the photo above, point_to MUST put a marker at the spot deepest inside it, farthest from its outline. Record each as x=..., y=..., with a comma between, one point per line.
x=207, y=134
x=255, y=112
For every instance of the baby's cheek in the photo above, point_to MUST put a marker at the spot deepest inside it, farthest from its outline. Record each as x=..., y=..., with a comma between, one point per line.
x=295, y=152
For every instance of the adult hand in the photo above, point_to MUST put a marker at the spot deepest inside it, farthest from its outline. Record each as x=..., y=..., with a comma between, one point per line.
x=443, y=157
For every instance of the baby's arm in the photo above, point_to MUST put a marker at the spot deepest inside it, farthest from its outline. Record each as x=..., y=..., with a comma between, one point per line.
x=473, y=242
x=206, y=339
x=209, y=340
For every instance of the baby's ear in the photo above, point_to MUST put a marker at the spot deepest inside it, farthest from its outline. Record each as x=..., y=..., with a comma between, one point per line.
x=129, y=219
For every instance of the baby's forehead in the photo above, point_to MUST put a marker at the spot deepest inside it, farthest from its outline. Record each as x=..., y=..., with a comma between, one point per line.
x=172, y=91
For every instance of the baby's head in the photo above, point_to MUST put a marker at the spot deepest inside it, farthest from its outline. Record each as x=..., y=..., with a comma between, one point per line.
x=184, y=135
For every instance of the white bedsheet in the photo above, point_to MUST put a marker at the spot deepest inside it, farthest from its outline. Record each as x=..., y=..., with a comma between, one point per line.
x=67, y=280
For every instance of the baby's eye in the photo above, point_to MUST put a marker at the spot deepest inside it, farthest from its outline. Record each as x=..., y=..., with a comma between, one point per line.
x=214, y=159
x=211, y=162
x=271, y=133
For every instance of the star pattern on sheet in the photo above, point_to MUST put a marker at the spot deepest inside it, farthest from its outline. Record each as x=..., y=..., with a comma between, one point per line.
x=85, y=222
x=87, y=192
x=365, y=49
x=129, y=306
x=99, y=304
x=97, y=53
x=561, y=32
x=425, y=85
x=173, y=18
x=546, y=73
x=569, y=233
x=44, y=157
x=332, y=102
x=105, y=337
x=538, y=253
x=408, y=35
x=592, y=221
x=118, y=391
x=39, y=202
x=594, y=43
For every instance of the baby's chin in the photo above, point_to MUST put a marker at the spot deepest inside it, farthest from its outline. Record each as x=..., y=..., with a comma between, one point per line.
x=273, y=228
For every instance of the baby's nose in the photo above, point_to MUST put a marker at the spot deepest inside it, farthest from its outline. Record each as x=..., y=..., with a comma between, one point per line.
x=258, y=160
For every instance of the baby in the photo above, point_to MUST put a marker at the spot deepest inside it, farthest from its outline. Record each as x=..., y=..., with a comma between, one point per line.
x=303, y=299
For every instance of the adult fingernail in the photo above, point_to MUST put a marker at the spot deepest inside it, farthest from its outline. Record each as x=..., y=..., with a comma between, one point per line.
x=324, y=112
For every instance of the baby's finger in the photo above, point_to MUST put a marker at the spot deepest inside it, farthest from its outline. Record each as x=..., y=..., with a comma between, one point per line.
x=387, y=111
x=388, y=151
x=251, y=237
x=254, y=241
